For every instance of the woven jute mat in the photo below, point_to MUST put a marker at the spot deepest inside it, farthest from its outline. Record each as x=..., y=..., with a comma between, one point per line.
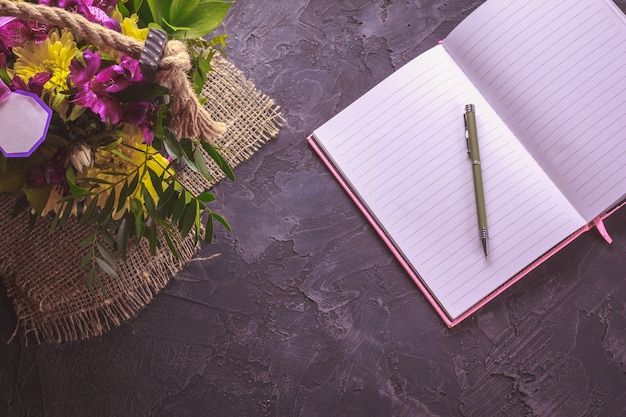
x=41, y=271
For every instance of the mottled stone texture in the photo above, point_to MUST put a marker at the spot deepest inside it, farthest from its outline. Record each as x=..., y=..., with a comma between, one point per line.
x=302, y=311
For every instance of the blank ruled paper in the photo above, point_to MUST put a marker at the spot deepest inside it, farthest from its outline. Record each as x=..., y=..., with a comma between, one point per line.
x=401, y=148
x=555, y=72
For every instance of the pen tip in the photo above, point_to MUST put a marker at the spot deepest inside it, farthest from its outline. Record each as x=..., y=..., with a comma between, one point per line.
x=485, y=248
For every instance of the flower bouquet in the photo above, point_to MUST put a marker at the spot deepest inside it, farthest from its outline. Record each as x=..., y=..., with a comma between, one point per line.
x=100, y=107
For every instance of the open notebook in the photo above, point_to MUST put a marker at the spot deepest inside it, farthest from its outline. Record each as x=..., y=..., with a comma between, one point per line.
x=548, y=79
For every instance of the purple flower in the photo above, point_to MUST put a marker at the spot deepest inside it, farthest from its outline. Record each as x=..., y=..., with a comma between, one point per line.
x=131, y=69
x=110, y=80
x=35, y=83
x=140, y=114
x=38, y=31
x=106, y=6
x=50, y=173
x=101, y=16
x=95, y=88
x=93, y=10
x=74, y=6
x=15, y=32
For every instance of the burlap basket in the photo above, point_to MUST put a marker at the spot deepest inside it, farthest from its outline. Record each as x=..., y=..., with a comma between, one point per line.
x=41, y=270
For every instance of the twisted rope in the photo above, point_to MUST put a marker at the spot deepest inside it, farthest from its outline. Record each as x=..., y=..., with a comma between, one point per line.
x=189, y=118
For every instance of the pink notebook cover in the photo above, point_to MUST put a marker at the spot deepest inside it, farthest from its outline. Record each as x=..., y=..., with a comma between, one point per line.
x=597, y=223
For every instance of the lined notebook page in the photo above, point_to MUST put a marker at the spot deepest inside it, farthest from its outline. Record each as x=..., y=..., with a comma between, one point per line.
x=402, y=149
x=555, y=71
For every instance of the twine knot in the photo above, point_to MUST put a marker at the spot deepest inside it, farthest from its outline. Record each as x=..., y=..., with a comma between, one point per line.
x=189, y=119
x=175, y=57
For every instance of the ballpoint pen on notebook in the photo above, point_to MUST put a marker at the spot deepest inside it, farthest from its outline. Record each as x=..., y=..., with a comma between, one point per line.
x=471, y=136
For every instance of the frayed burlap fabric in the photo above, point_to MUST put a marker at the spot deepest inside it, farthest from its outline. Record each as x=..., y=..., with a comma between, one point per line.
x=41, y=271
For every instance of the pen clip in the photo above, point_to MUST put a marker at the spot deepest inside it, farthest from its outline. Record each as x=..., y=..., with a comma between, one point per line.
x=469, y=154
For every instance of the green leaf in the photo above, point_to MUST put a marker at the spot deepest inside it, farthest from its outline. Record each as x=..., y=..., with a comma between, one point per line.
x=175, y=28
x=155, y=9
x=123, y=196
x=208, y=229
x=156, y=180
x=136, y=4
x=96, y=180
x=205, y=65
x=132, y=187
x=86, y=241
x=106, y=268
x=167, y=195
x=148, y=203
x=197, y=79
x=106, y=236
x=188, y=219
x=206, y=197
x=222, y=221
x=91, y=277
x=152, y=238
x=179, y=207
x=122, y=238
x=89, y=212
x=76, y=112
x=67, y=212
x=122, y=8
x=172, y=147
x=121, y=155
x=137, y=210
x=75, y=190
x=197, y=224
x=213, y=152
x=180, y=10
x=207, y=16
x=87, y=258
x=170, y=243
x=106, y=254
x=56, y=219
x=187, y=154
x=107, y=210
x=203, y=169
x=188, y=197
x=114, y=173
x=37, y=197
x=166, y=210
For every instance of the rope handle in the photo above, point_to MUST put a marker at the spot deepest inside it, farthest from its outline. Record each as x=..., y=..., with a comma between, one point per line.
x=189, y=119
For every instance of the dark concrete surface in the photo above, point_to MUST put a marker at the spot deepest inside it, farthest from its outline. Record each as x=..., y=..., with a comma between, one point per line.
x=302, y=311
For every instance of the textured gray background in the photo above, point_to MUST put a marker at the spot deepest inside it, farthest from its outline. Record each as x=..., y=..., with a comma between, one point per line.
x=302, y=311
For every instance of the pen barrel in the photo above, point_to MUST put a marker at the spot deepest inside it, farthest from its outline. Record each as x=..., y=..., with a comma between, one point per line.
x=479, y=194
x=474, y=154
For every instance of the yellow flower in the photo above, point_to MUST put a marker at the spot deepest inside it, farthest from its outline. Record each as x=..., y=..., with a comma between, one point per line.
x=53, y=55
x=136, y=155
x=130, y=28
